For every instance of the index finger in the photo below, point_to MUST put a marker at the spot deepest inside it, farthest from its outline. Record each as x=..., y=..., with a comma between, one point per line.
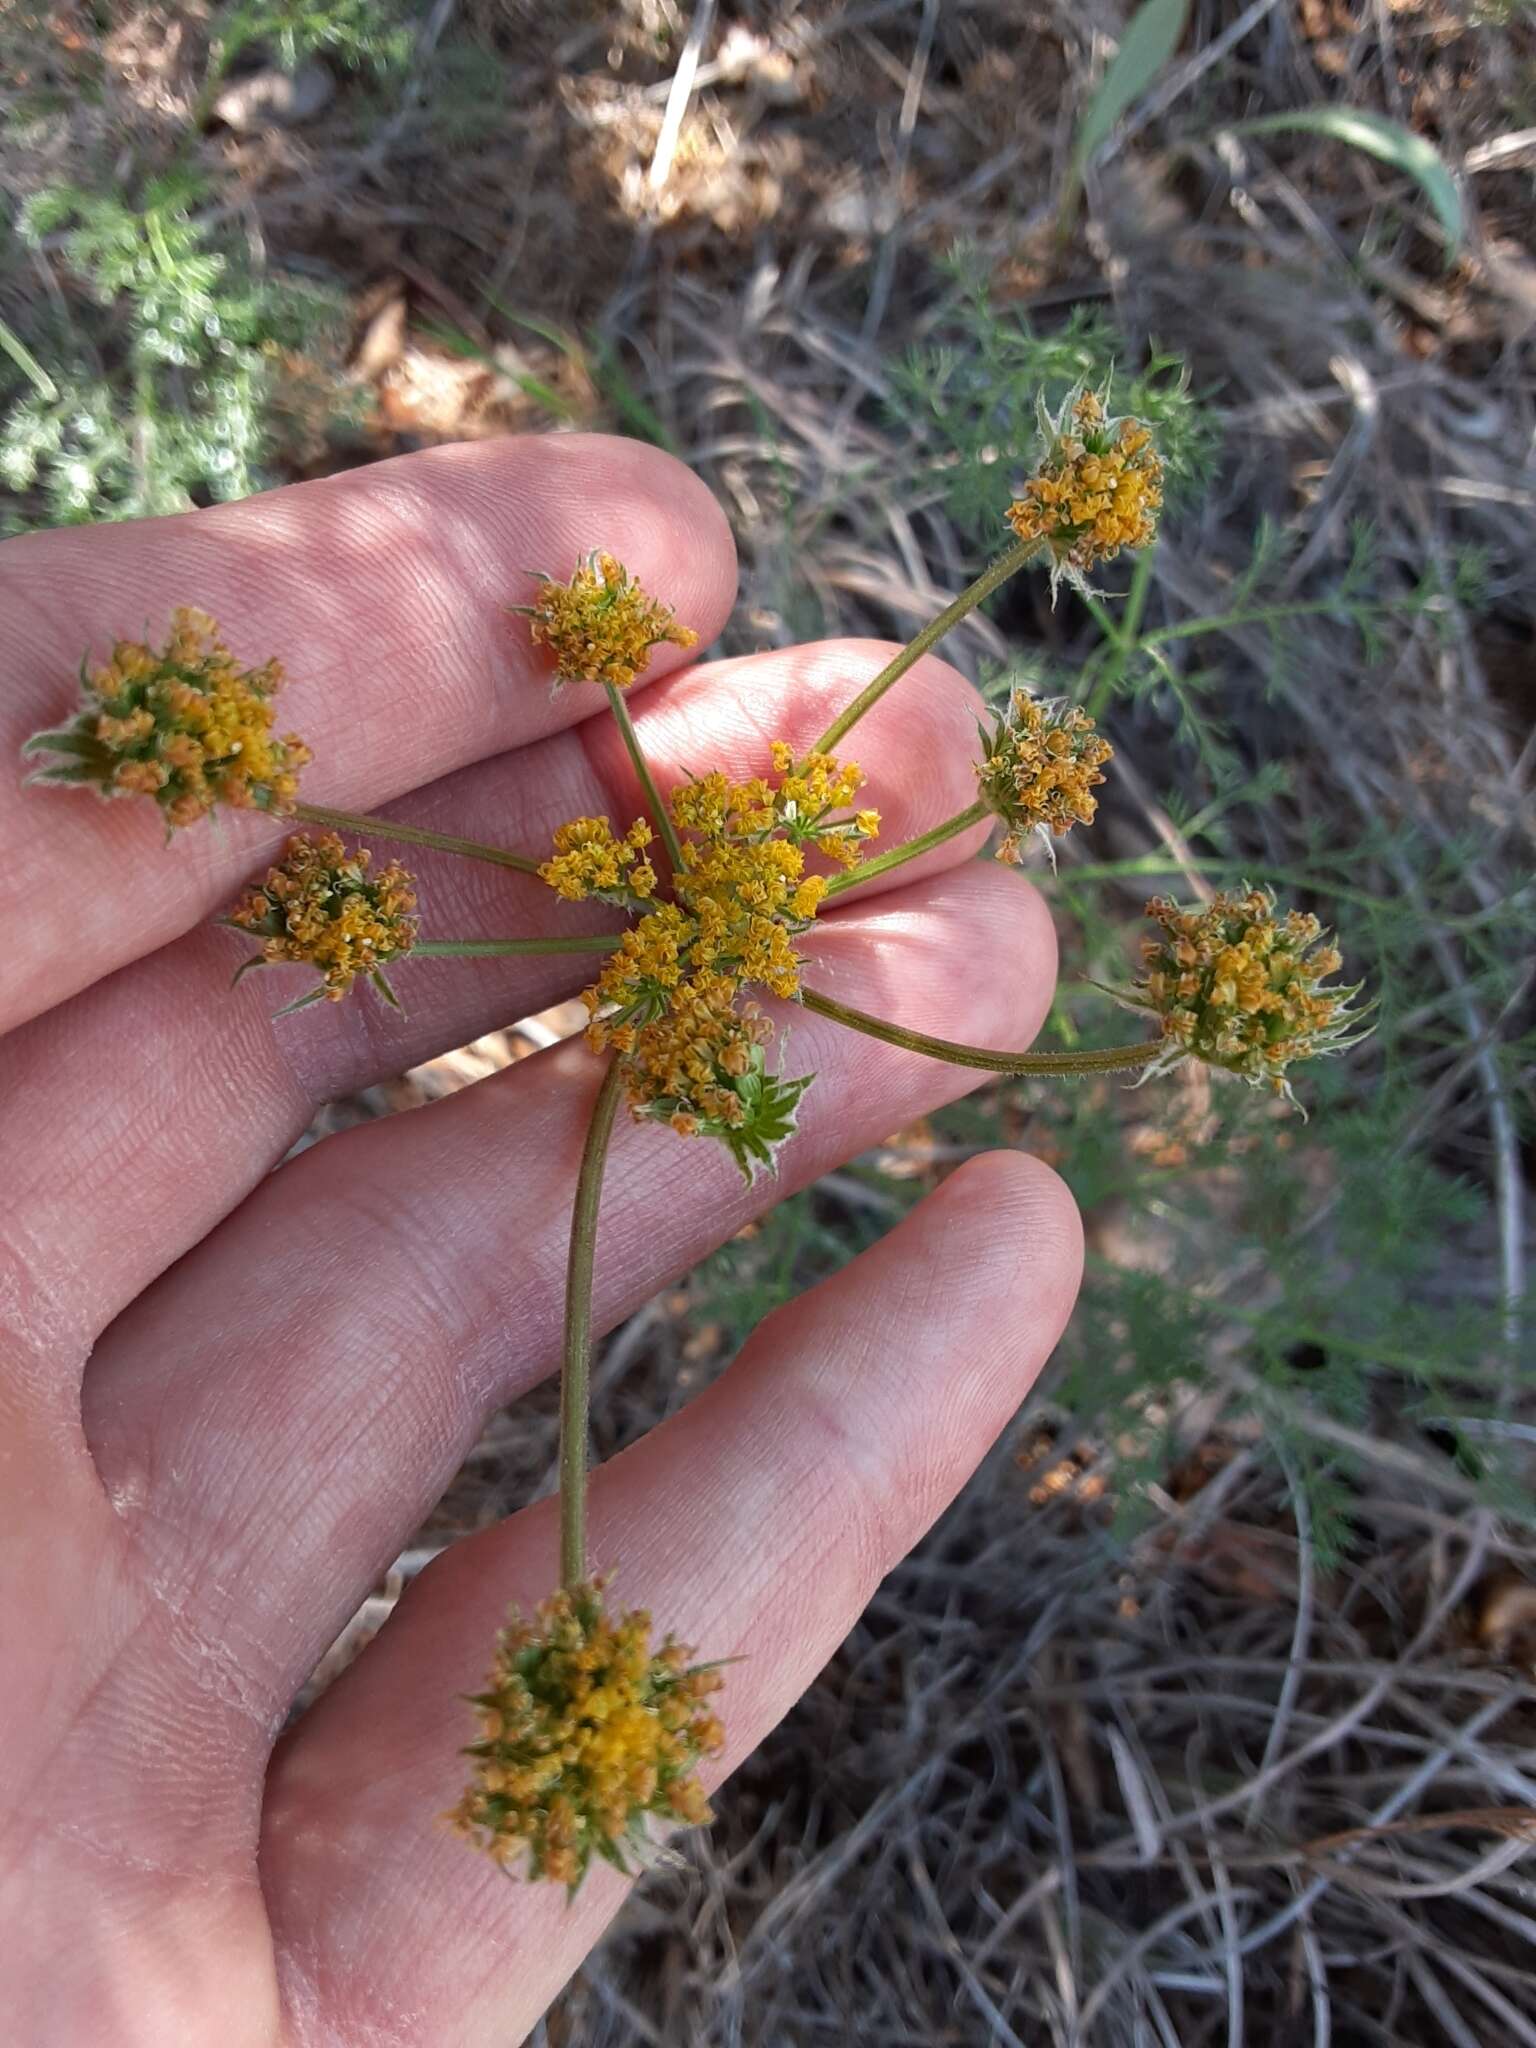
x=380, y=591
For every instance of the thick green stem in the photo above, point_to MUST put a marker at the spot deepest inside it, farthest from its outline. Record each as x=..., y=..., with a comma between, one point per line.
x=492, y=949
x=909, y=849
x=576, y=1369
x=1113, y=1059
x=989, y=580
x=413, y=835
x=642, y=768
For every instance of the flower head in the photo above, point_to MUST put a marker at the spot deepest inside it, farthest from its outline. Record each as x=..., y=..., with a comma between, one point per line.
x=585, y=1731
x=670, y=1000
x=1240, y=987
x=320, y=905
x=1040, y=764
x=600, y=626
x=183, y=724
x=1098, y=488
x=589, y=861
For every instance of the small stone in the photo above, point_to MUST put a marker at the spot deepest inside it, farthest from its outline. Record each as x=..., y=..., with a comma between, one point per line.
x=275, y=99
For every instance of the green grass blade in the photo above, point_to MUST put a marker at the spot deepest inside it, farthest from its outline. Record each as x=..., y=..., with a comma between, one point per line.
x=1151, y=36
x=1378, y=137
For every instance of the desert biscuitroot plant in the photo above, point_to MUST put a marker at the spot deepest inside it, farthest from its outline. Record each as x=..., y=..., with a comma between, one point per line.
x=162, y=377
x=585, y=1729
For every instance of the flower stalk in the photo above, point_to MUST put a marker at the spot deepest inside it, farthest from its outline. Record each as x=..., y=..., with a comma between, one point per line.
x=364, y=824
x=1112, y=1059
x=576, y=1364
x=990, y=579
x=909, y=849
x=660, y=815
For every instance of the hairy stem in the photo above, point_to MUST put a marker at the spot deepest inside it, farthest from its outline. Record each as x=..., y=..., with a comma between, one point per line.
x=413, y=835
x=576, y=1367
x=1111, y=1059
x=491, y=949
x=631, y=739
x=989, y=580
x=909, y=849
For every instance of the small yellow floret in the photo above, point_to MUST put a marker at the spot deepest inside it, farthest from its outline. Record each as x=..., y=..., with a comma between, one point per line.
x=584, y=1732
x=601, y=625
x=319, y=905
x=184, y=724
x=589, y=861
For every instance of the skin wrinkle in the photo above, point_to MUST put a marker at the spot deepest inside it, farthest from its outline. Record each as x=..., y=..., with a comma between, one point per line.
x=33, y=1318
x=362, y=1407
x=90, y=1707
x=404, y=1332
x=835, y=1441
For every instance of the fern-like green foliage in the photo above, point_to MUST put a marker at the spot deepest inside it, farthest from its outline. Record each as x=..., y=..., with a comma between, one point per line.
x=971, y=399
x=156, y=392
x=1315, y=1259
x=372, y=35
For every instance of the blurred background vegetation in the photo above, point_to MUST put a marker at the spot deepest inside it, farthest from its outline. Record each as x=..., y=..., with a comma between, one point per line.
x=1206, y=1714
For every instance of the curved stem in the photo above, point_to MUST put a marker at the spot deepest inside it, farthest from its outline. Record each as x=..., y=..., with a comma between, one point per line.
x=1113, y=1059
x=898, y=856
x=490, y=949
x=413, y=835
x=642, y=768
x=576, y=1367
x=989, y=580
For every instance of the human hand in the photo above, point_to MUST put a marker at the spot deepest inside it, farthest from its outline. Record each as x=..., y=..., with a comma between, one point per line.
x=228, y=1396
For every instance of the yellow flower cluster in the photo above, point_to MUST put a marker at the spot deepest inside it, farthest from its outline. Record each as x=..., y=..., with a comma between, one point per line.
x=669, y=998
x=320, y=906
x=799, y=804
x=601, y=625
x=1237, y=986
x=589, y=861
x=584, y=1732
x=183, y=724
x=1039, y=766
x=1099, y=488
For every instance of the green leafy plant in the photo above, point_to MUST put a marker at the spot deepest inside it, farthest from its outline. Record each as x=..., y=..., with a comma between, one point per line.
x=971, y=403
x=363, y=34
x=161, y=389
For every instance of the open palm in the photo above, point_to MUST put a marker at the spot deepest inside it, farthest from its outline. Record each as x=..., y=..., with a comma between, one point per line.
x=228, y=1395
